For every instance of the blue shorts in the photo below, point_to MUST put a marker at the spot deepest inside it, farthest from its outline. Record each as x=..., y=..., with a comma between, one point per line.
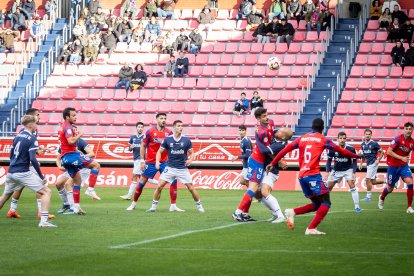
x=151, y=171
x=255, y=171
x=313, y=185
x=74, y=162
x=394, y=174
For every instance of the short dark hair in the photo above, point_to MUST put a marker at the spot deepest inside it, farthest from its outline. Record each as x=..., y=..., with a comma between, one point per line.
x=408, y=124
x=139, y=123
x=259, y=111
x=177, y=122
x=341, y=133
x=367, y=130
x=243, y=94
x=242, y=127
x=66, y=112
x=32, y=111
x=255, y=92
x=318, y=125
x=160, y=114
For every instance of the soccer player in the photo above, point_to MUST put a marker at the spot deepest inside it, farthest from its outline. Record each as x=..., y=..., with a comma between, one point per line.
x=344, y=167
x=150, y=145
x=178, y=147
x=64, y=183
x=311, y=146
x=246, y=149
x=73, y=161
x=397, y=160
x=370, y=150
x=16, y=195
x=22, y=154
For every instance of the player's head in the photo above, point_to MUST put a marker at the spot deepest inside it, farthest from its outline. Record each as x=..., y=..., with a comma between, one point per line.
x=318, y=125
x=29, y=123
x=261, y=115
x=34, y=112
x=69, y=115
x=408, y=129
x=178, y=126
x=161, y=119
x=367, y=134
x=283, y=134
x=140, y=127
x=242, y=131
x=342, y=138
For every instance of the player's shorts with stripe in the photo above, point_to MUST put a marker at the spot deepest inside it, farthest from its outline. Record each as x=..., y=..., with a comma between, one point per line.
x=269, y=179
x=84, y=173
x=394, y=174
x=243, y=173
x=313, y=185
x=16, y=181
x=74, y=162
x=372, y=171
x=171, y=174
x=255, y=171
x=151, y=171
x=336, y=176
x=137, y=167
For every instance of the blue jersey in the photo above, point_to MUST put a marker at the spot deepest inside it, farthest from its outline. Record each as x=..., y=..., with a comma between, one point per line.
x=81, y=146
x=136, y=141
x=342, y=163
x=274, y=148
x=23, y=144
x=177, y=151
x=246, y=149
x=370, y=150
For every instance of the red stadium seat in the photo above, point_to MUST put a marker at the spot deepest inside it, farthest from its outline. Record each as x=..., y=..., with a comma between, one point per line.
x=355, y=109
x=211, y=120
x=113, y=106
x=361, y=59
x=351, y=122
x=342, y=109
x=409, y=110
x=347, y=96
x=100, y=106
x=404, y=84
x=397, y=109
x=178, y=107
x=392, y=122
x=378, y=122
x=364, y=122
x=383, y=109
x=369, y=109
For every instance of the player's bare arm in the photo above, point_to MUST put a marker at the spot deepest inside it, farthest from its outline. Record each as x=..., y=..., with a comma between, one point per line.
x=158, y=158
x=361, y=163
x=379, y=157
x=59, y=163
x=142, y=154
x=89, y=152
x=391, y=153
x=74, y=139
x=191, y=158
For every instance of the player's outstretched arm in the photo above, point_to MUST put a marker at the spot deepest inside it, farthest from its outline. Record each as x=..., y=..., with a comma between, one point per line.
x=380, y=156
x=89, y=152
x=191, y=158
x=284, y=151
x=345, y=152
x=73, y=139
x=142, y=151
x=158, y=157
x=328, y=164
x=59, y=163
x=390, y=152
x=35, y=163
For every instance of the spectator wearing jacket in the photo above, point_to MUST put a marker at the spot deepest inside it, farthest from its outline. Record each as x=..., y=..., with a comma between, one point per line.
x=18, y=21
x=181, y=66
x=28, y=9
x=385, y=20
x=150, y=9
x=139, y=77
x=277, y=8
x=168, y=43
x=93, y=6
x=245, y=9
x=181, y=42
x=124, y=30
x=409, y=55
x=261, y=34
x=37, y=29
x=108, y=42
x=129, y=9
x=394, y=31
x=169, y=70
x=397, y=13
x=196, y=40
x=152, y=30
x=286, y=32
x=242, y=105
x=205, y=20
x=8, y=36
x=315, y=21
x=272, y=28
x=166, y=8
x=254, y=19
x=256, y=101
x=92, y=26
x=125, y=75
x=375, y=10
x=407, y=30
x=397, y=54
x=89, y=53
x=389, y=4
x=294, y=10
x=64, y=54
x=307, y=10
x=100, y=18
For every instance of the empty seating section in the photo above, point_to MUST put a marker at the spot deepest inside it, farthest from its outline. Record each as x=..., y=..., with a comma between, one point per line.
x=377, y=95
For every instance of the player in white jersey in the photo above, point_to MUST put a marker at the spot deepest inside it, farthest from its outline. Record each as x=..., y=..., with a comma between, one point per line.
x=178, y=147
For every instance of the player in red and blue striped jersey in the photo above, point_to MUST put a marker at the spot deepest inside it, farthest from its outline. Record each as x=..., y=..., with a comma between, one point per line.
x=397, y=160
x=311, y=146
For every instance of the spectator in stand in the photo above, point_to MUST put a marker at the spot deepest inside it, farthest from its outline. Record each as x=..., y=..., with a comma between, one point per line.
x=286, y=32
x=254, y=19
x=375, y=10
x=294, y=10
x=397, y=54
x=89, y=53
x=139, y=78
x=138, y=34
x=277, y=8
x=389, y=4
x=50, y=7
x=169, y=70
x=129, y=9
x=273, y=29
x=111, y=22
x=76, y=45
x=124, y=30
x=166, y=8
x=100, y=18
x=242, y=105
x=92, y=26
x=37, y=29
x=323, y=6
x=8, y=36
x=168, y=43
x=400, y=15
x=95, y=40
x=307, y=9
x=326, y=21
x=261, y=33
x=125, y=75
x=150, y=9
x=18, y=21
x=407, y=31
x=245, y=9
x=394, y=31
x=16, y=4
x=79, y=30
x=181, y=42
x=409, y=56
x=385, y=20
x=108, y=42
x=93, y=7
x=181, y=66
x=256, y=101
x=2, y=18
x=64, y=54
x=75, y=58
x=85, y=15
x=28, y=9
x=315, y=21
x=152, y=30
x=212, y=4
x=205, y=19
x=195, y=41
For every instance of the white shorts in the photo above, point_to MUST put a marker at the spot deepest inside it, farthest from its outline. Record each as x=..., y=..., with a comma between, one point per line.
x=137, y=167
x=336, y=176
x=269, y=179
x=84, y=173
x=243, y=173
x=16, y=181
x=171, y=174
x=372, y=171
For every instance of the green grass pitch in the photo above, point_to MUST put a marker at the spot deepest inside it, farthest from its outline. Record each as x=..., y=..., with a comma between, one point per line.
x=111, y=241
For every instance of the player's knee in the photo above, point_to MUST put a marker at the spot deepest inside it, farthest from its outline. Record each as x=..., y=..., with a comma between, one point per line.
x=325, y=199
x=96, y=166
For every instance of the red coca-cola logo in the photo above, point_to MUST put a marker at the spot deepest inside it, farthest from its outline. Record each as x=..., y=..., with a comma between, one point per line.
x=228, y=180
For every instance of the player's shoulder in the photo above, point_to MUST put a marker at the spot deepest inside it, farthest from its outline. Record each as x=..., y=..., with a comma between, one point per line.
x=349, y=146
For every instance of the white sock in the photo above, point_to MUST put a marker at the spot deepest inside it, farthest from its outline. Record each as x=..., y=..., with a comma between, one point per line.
x=69, y=196
x=44, y=216
x=173, y=205
x=132, y=188
x=154, y=204
x=238, y=212
x=355, y=197
x=369, y=194
x=90, y=189
x=13, y=204
x=198, y=203
x=63, y=196
x=39, y=205
x=273, y=205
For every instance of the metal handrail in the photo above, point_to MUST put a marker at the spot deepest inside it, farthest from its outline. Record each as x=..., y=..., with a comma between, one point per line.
x=12, y=117
x=4, y=128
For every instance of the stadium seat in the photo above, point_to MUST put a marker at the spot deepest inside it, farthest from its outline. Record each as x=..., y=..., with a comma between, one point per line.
x=392, y=122
x=178, y=107
x=342, y=109
x=409, y=110
x=126, y=107
x=211, y=120
x=351, y=122
x=364, y=122
x=378, y=122
x=355, y=109
x=113, y=106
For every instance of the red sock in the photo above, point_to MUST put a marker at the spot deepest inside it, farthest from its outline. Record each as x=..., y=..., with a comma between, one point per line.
x=245, y=203
x=384, y=193
x=173, y=193
x=138, y=191
x=76, y=194
x=409, y=197
x=320, y=214
x=247, y=207
x=304, y=209
x=92, y=179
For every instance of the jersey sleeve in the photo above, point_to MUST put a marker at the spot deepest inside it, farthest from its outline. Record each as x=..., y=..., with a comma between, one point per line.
x=164, y=144
x=288, y=148
x=147, y=138
x=189, y=145
x=395, y=143
x=131, y=140
x=33, y=145
x=82, y=144
x=68, y=132
x=377, y=147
